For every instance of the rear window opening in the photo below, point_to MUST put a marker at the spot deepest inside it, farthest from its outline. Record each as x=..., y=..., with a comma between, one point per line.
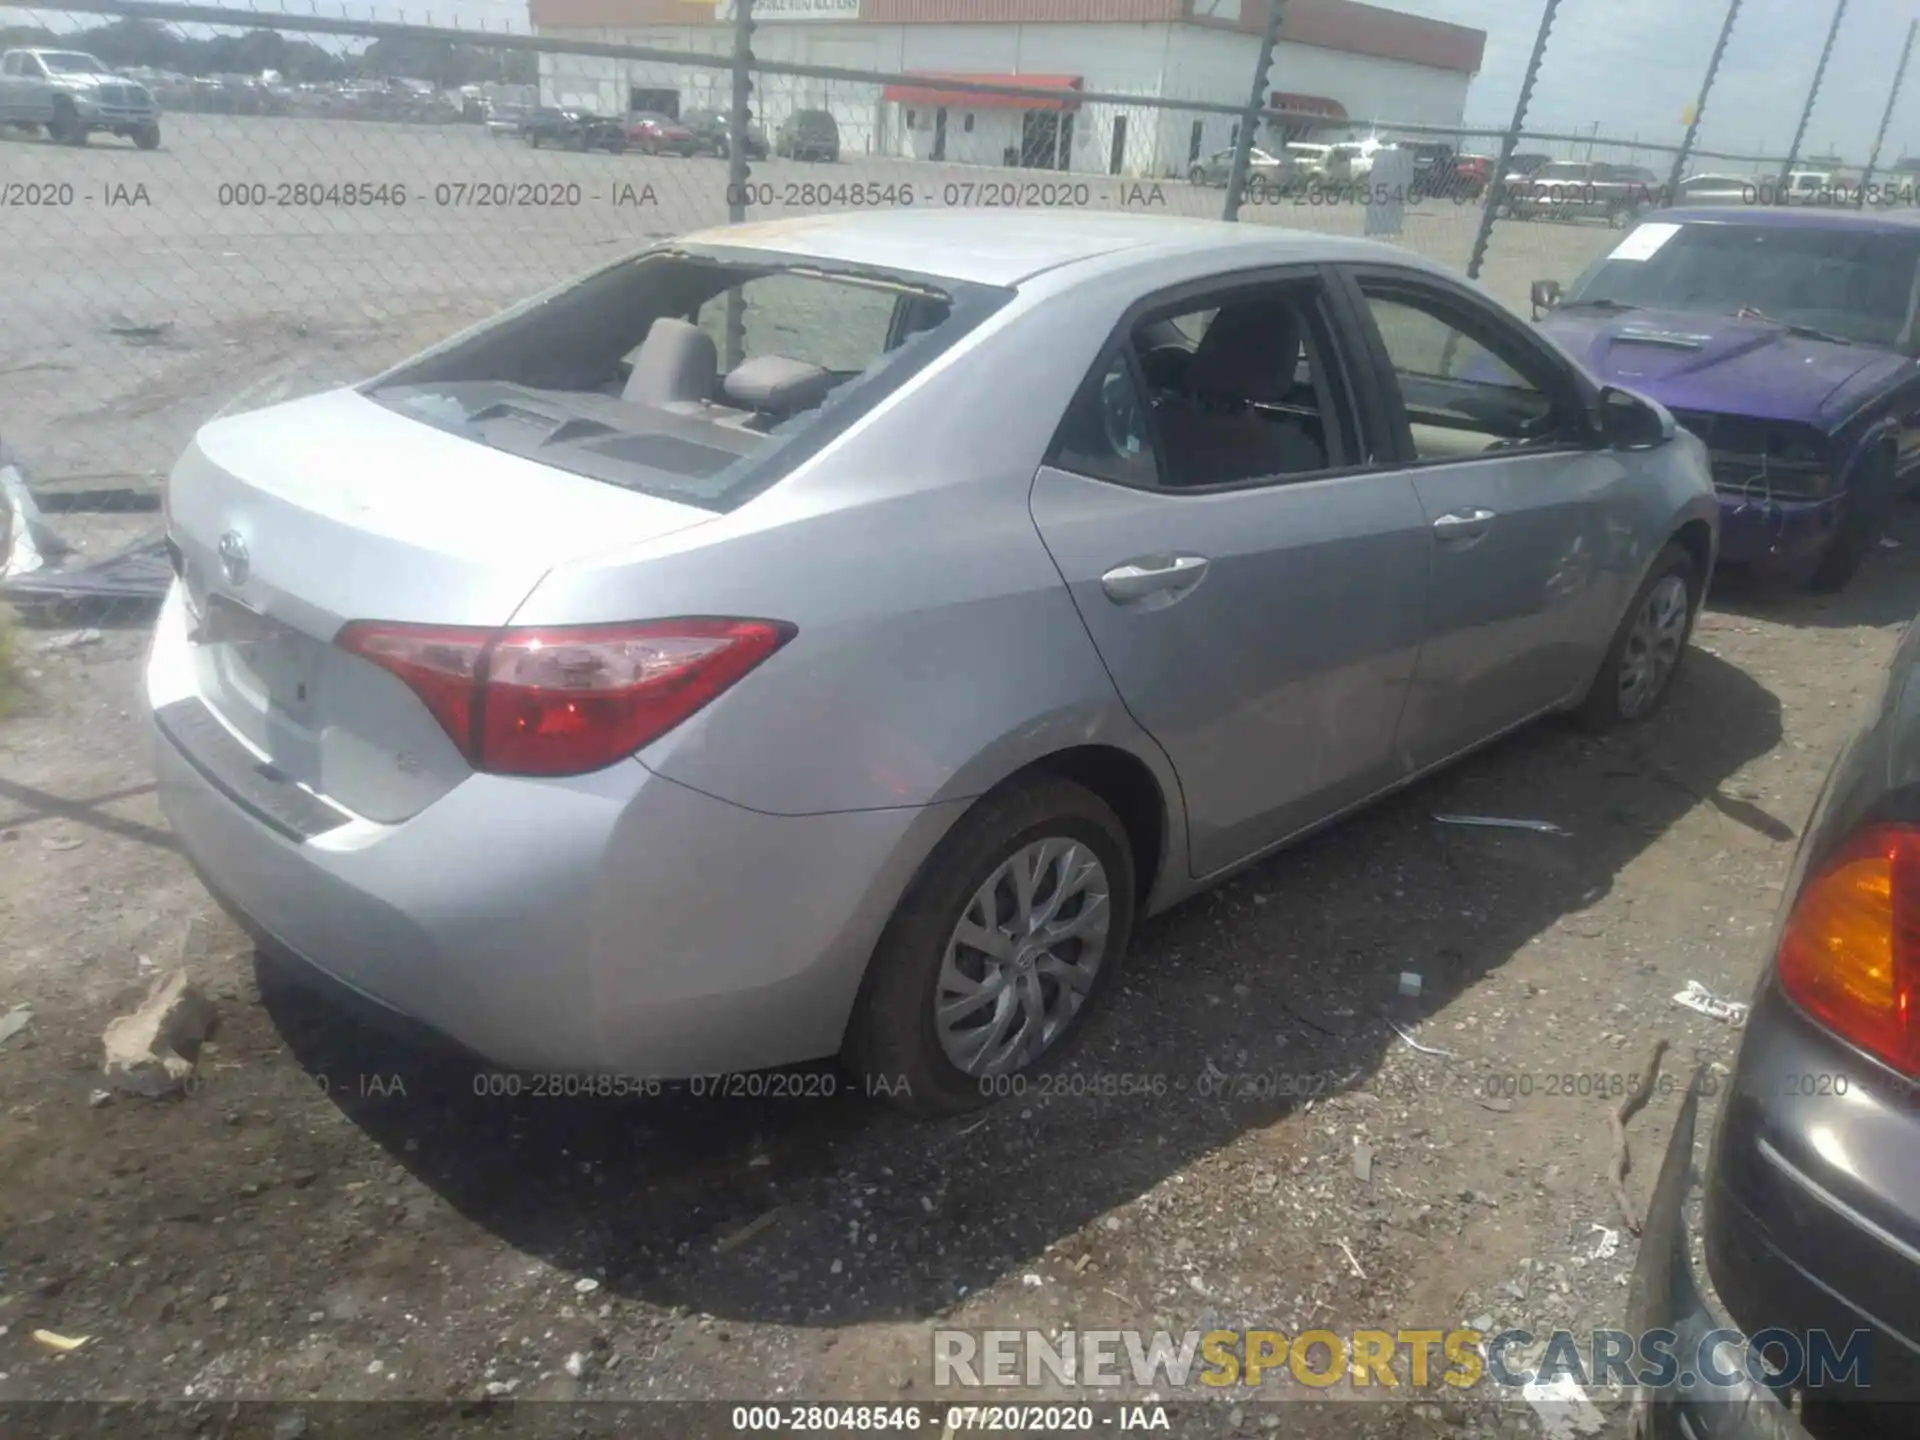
x=697, y=375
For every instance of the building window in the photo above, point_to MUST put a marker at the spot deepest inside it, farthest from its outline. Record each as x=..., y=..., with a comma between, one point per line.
x=910, y=124
x=967, y=124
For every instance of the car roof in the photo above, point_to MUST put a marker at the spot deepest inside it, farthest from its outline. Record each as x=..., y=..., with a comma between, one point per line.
x=1795, y=218
x=1006, y=247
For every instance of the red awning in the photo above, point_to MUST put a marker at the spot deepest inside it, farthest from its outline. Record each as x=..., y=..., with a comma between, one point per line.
x=1318, y=105
x=937, y=95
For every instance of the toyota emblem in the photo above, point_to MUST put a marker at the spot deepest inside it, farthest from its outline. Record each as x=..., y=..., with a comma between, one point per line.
x=233, y=558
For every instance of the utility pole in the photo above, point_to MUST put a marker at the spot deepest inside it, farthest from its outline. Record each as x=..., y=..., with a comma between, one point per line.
x=1813, y=93
x=1700, y=106
x=1250, y=118
x=1496, y=188
x=1886, y=116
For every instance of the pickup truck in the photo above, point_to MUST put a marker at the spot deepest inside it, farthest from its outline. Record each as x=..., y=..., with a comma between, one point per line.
x=73, y=94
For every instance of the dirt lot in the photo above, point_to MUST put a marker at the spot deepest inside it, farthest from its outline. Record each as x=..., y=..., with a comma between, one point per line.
x=335, y=1215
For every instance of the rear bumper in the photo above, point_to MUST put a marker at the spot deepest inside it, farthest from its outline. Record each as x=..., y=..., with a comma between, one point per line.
x=1665, y=1306
x=615, y=923
x=1813, y=1200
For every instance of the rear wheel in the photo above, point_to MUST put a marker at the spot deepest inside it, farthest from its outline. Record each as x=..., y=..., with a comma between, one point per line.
x=998, y=951
x=1647, y=649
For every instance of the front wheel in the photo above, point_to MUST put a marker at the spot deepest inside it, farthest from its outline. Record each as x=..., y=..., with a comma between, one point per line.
x=66, y=128
x=996, y=954
x=1867, y=500
x=1647, y=648
x=147, y=137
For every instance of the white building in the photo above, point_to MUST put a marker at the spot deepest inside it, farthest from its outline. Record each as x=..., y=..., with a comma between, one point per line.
x=1347, y=62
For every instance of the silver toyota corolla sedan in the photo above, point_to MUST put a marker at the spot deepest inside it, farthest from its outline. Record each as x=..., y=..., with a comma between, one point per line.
x=829, y=636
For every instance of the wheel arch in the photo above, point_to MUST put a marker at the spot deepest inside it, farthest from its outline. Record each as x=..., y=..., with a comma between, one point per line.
x=1129, y=787
x=1695, y=536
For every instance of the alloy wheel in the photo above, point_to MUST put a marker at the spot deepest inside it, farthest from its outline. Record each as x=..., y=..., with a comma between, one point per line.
x=1653, y=645
x=1023, y=958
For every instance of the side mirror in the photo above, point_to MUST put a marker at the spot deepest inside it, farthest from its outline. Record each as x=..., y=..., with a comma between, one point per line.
x=1632, y=422
x=1546, y=295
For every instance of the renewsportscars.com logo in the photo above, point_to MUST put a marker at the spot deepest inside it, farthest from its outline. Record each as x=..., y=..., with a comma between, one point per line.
x=1379, y=1360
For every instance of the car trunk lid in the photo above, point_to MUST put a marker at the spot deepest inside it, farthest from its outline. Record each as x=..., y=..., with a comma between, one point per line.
x=289, y=522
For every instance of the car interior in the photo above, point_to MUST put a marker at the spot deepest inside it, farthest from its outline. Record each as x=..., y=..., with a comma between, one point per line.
x=667, y=414
x=1237, y=391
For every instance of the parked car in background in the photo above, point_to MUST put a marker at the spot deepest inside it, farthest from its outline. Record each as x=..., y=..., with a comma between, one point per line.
x=1264, y=168
x=1351, y=161
x=470, y=672
x=569, y=128
x=1471, y=175
x=1522, y=163
x=1785, y=338
x=1812, y=1184
x=1309, y=160
x=655, y=134
x=1584, y=189
x=1433, y=166
x=73, y=95
x=1820, y=187
x=1718, y=190
x=808, y=135
x=712, y=131
x=505, y=119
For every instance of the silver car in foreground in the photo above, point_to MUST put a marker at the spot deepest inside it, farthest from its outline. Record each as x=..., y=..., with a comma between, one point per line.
x=828, y=636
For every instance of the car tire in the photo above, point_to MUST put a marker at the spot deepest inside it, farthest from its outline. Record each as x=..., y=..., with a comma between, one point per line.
x=1868, y=499
x=1637, y=674
x=895, y=1041
x=66, y=127
x=147, y=137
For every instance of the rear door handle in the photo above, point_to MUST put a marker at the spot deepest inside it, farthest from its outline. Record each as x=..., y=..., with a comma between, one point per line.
x=1138, y=579
x=1456, y=528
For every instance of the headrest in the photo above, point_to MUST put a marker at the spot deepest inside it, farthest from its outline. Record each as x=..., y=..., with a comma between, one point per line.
x=1249, y=351
x=777, y=385
x=676, y=363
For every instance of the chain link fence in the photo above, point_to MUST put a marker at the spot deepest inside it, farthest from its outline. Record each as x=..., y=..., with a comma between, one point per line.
x=325, y=196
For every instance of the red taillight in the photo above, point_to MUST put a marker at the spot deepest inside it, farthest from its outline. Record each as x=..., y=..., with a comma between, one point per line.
x=1850, y=949
x=566, y=699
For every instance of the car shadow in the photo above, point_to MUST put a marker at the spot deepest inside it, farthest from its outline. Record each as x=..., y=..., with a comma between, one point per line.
x=825, y=1211
x=1883, y=593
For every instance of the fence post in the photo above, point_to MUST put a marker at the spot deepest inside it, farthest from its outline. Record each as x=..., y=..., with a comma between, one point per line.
x=1497, y=182
x=1813, y=93
x=1886, y=116
x=739, y=129
x=1700, y=105
x=1256, y=102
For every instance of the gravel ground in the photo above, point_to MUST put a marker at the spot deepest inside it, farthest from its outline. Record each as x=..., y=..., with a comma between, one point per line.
x=335, y=1215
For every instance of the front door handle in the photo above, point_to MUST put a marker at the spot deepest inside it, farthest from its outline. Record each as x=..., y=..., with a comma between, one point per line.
x=1457, y=528
x=1138, y=579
